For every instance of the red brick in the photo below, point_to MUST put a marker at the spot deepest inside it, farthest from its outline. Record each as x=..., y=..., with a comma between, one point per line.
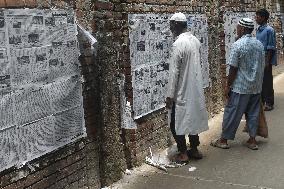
x=11, y=186
x=15, y=3
x=100, y=5
x=2, y=3
x=31, y=3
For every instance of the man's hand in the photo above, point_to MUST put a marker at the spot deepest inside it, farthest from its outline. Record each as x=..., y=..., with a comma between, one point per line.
x=227, y=92
x=169, y=102
x=266, y=62
x=268, y=58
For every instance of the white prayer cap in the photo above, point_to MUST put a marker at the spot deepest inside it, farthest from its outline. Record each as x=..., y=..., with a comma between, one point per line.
x=179, y=17
x=246, y=22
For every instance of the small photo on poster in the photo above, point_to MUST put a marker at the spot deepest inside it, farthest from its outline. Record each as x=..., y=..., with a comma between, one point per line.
x=5, y=83
x=70, y=20
x=54, y=62
x=2, y=22
x=41, y=57
x=2, y=39
x=33, y=38
x=141, y=46
x=23, y=60
x=17, y=25
x=57, y=44
x=15, y=40
x=71, y=44
x=3, y=54
x=50, y=21
x=37, y=20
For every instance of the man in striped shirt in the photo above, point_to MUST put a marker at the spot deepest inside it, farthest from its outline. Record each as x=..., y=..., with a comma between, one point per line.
x=244, y=85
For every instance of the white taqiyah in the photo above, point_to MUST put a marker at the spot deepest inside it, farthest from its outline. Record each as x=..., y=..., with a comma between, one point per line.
x=179, y=17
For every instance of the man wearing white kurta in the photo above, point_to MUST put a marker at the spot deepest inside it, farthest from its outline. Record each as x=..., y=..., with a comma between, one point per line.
x=185, y=99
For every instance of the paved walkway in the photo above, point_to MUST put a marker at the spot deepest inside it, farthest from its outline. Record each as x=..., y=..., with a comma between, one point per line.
x=235, y=168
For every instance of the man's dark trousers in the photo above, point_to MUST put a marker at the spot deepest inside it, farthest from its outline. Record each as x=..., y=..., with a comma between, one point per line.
x=180, y=139
x=267, y=93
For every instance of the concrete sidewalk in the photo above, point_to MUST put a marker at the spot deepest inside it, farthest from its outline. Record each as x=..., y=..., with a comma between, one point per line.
x=235, y=168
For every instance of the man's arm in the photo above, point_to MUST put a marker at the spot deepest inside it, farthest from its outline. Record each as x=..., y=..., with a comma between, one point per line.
x=233, y=62
x=173, y=76
x=230, y=80
x=271, y=46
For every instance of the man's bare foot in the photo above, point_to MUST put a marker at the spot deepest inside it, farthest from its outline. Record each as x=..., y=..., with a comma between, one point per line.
x=252, y=144
x=181, y=158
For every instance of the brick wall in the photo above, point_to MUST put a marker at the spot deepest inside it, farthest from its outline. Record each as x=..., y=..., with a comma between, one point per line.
x=111, y=30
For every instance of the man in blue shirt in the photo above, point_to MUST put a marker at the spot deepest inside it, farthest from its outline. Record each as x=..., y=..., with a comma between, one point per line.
x=244, y=85
x=266, y=35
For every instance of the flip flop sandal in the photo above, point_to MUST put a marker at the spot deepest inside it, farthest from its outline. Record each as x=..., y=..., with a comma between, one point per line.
x=218, y=144
x=252, y=146
x=268, y=108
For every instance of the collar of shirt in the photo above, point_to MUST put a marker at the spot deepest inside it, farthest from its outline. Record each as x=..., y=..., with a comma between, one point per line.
x=262, y=27
x=184, y=33
x=246, y=35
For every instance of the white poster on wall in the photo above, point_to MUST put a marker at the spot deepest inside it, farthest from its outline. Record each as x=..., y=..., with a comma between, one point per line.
x=150, y=45
x=41, y=105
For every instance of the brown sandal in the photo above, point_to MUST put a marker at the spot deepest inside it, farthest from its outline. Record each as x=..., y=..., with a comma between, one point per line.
x=252, y=146
x=218, y=144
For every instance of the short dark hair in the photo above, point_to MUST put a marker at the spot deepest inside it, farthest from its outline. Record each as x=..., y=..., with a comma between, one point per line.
x=263, y=12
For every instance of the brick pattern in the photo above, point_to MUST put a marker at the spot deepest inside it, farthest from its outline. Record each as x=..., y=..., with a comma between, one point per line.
x=110, y=27
x=63, y=168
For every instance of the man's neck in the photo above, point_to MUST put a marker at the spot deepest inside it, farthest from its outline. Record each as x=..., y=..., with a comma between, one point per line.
x=180, y=32
x=246, y=34
x=263, y=24
x=243, y=35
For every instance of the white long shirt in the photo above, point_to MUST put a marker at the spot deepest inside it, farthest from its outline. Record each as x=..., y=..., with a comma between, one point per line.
x=186, y=86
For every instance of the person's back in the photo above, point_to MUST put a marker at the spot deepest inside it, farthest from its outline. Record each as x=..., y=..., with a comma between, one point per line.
x=185, y=99
x=189, y=48
x=250, y=62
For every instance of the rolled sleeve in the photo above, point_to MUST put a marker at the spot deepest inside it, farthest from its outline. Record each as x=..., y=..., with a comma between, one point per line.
x=271, y=40
x=174, y=71
x=234, y=56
